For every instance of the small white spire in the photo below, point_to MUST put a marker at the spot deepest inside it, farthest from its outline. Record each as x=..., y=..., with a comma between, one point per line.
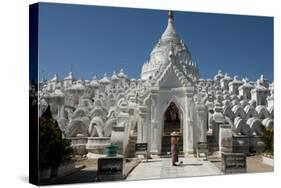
x=170, y=16
x=261, y=77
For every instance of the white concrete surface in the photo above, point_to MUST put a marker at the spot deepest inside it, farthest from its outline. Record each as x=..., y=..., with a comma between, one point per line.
x=162, y=168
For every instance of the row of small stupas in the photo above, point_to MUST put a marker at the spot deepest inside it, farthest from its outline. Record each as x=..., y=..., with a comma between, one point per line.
x=246, y=104
x=241, y=98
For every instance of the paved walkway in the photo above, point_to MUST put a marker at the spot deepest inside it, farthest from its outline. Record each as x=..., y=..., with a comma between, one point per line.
x=162, y=168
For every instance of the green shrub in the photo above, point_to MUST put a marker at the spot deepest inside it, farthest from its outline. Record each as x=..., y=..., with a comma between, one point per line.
x=268, y=135
x=53, y=149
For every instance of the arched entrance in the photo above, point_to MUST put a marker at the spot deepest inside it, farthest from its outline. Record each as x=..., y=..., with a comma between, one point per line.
x=172, y=122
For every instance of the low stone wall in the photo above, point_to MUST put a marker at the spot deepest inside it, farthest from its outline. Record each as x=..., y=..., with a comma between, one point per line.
x=248, y=144
x=92, y=145
x=97, y=145
x=225, y=138
x=79, y=145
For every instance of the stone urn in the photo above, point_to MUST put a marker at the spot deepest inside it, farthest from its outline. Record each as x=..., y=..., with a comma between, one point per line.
x=111, y=150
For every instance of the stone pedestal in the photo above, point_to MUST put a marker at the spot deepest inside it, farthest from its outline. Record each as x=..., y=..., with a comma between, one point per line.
x=110, y=169
x=218, y=120
x=234, y=163
x=117, y=138
x=225, y=138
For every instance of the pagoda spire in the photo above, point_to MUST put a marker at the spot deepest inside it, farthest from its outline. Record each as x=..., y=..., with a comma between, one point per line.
x=170, y=31
x=170, y=15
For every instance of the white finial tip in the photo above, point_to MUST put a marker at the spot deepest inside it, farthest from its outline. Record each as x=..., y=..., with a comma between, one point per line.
x=170, y=15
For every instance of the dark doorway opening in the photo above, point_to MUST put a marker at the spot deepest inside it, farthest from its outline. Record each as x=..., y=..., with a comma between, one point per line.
x=172, y=122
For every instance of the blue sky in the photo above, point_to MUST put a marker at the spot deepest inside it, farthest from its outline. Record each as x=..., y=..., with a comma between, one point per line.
x=97, y=39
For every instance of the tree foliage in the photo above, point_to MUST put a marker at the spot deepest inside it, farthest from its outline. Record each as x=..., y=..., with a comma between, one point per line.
x=53, y=148
x=268, y=137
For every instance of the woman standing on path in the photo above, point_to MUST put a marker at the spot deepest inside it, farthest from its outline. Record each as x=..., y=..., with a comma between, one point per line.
x=174, y=149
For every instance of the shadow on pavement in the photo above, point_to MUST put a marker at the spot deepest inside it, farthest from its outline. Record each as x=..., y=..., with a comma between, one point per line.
x=83, y=176
x=144, y=161
x=192, y=164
